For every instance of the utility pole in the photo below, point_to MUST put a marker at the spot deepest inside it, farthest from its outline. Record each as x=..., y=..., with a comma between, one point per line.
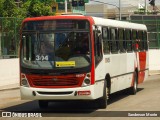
x=119, y=9
x=65, y=6
x=146, y=7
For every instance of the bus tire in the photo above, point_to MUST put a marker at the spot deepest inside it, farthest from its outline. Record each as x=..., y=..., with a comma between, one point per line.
x=43, y=104
x=102, y=102
x=133, y=89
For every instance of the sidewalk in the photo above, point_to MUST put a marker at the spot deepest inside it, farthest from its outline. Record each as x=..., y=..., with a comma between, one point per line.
x=9, y=87
x=153, y=77
x=9, y=73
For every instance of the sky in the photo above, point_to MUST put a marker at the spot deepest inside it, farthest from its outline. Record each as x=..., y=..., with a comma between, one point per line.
x=125, y=3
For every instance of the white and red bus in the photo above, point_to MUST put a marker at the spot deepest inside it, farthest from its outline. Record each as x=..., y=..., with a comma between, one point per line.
x=76, y=57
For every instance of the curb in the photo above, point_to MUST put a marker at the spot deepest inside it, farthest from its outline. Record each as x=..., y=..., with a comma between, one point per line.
x=154, y=72
x=9, y=89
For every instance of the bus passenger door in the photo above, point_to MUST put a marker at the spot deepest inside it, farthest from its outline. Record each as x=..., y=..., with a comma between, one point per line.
x=98, y=54
x=99, y=63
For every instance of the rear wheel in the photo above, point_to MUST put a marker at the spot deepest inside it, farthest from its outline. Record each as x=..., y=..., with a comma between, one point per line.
x=133, y=89
x=43, y=104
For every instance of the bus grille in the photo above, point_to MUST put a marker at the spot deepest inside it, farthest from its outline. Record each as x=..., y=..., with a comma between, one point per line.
x=54, y=81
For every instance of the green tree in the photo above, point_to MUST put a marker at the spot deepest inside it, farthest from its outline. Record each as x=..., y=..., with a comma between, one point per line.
x=1, y=8
x=28, y=8
x=47, y=2
x=8, y=8
x=37, y=8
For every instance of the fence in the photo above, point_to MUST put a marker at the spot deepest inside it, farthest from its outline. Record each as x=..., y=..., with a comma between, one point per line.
x=153, y=25
x=9, y=34
x=9, y=37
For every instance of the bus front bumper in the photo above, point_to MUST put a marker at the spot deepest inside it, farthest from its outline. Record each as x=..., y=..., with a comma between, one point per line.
x=81, y=93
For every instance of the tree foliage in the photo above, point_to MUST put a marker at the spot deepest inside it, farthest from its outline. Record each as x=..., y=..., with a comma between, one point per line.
x=1, y=9
x=8, y=8
x=26, y=8
x=37, y=8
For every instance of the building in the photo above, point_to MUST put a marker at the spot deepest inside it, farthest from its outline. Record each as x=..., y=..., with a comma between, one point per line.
x=98, y=10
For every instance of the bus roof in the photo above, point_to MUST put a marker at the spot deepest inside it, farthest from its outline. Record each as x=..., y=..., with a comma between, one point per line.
x=95, y=20
x=118, y=24
x=76, y=17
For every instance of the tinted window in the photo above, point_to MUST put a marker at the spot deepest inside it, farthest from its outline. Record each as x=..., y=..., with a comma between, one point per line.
x=114, y=42
x=121, y=40
x=128, y=40
x=141, y=40
x=56, y=25
x=57, y=50
x=106, y=43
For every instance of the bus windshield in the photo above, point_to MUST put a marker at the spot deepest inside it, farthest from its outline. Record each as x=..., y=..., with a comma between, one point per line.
x=55, y=50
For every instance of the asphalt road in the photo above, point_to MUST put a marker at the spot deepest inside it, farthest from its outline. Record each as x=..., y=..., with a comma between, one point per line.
x=120, y=105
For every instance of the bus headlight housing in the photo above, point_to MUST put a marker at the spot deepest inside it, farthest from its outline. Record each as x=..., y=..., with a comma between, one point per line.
x=87, y=80
x=24, y=81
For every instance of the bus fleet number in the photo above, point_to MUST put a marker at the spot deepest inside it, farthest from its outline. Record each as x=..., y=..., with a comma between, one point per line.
x=41, y=57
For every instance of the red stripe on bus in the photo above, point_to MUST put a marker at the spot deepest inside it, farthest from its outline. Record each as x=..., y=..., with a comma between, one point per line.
x=142, y=63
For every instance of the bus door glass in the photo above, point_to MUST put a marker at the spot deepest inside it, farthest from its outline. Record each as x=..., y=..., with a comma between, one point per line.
x=97, y=45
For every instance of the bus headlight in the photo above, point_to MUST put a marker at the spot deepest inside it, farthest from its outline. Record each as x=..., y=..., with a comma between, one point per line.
x=24, y=81
x=86, y=81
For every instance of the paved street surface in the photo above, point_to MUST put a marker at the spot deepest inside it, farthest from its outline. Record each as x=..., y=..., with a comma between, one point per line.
x=147, y=99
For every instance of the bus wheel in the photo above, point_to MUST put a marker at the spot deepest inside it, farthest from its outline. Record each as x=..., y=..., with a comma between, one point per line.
x=102, y=102
x=43, y=104
x=133, y=89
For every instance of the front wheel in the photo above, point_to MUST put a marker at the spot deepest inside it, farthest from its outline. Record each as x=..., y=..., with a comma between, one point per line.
x=102, y=102
x=133, y=89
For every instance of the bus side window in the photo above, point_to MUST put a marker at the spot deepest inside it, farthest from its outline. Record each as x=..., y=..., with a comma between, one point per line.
x=98, y=46
x=114, y=45
x=145, y=40
x=105, y=36
x=117, y=40
x=121, y=40
x=128, y=40
x=135, y=44
x=141, y=41
x=124, y=40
